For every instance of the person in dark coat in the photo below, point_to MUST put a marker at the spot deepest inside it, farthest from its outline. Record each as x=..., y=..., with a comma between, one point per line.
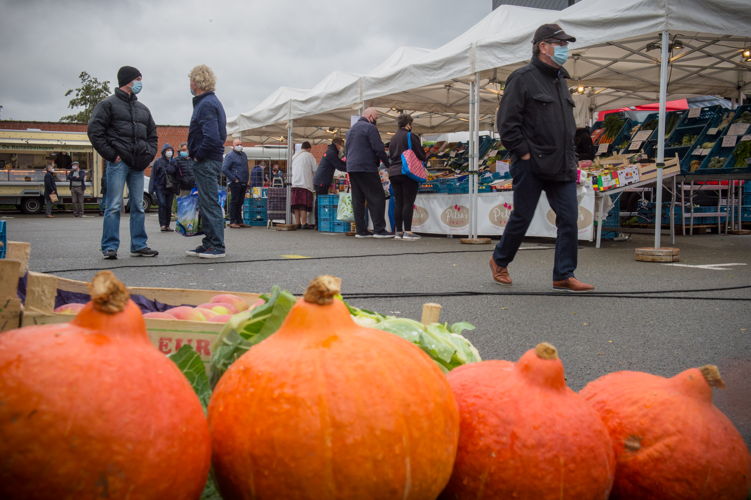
x=330, y=162
x=183, y=165
x=364, y=150
x=77, y=182
x=585, y=149
x=405, y=189
x=536, y=124
x=123, y=132
x=235, y=169
x=50, y=187
x=165, y=195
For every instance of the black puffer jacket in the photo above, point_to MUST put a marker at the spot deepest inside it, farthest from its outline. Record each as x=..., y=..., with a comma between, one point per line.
x=330, y=162
x=122, y=126
x=537, y=117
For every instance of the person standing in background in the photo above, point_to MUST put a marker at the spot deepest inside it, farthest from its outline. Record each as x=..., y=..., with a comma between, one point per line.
x=303, y=166
x=405, y=189
x=258, y=176
x=207, y=133
x=77, y=179
x=50, y=189
x=165, y=194
x=330, y=162
x=123, y=132
x=235, y=169
x=364, y=150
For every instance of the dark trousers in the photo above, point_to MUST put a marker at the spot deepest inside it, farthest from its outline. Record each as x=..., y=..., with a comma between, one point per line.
x=405, y=193
x=367, y=187
x=562, y=198
x=237, y=198
x=165, y=199
x=77, y=193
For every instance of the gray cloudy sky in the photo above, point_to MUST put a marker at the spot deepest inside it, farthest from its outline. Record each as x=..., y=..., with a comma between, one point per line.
x=253, y=47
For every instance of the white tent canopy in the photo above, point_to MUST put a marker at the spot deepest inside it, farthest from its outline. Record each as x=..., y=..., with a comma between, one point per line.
x=616, y=56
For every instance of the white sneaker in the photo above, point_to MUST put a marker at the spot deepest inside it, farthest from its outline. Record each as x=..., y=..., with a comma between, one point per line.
x=398, y=236
x=411, y=236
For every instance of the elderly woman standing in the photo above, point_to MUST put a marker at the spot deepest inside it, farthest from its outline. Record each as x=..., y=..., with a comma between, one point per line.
x=405, y=189
x=50, y=188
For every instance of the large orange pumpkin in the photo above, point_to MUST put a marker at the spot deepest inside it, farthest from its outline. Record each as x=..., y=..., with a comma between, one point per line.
x=524, y=434
x=670, y=441
x=90, y=409
x=327, y=409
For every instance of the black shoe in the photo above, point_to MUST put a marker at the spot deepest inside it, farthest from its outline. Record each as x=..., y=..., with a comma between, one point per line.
x=109, y=255
x=194, y=253
x=383, y=235
x=144, y=252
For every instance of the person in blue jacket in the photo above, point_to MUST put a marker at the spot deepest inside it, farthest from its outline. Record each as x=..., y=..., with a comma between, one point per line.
x=364, y=150
x=235, y=169
x=206, y=135
x=165, y=194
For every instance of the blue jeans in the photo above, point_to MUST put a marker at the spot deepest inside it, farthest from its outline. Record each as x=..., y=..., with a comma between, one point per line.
x=562, y=198
x=207, y=173
x=117, y=176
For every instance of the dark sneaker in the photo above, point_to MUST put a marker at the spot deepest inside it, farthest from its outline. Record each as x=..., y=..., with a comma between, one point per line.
x=364, y=235
x=211, y=253
x=383, y=235
x=109, y=255
x=572, y=285
x=410, y=236
x=194, y=253
x=500, y=274
x=144, y=252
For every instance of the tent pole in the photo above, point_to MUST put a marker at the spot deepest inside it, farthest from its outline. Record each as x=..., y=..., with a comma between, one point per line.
x=474, y=160
x=290, y=154
x=661, y=133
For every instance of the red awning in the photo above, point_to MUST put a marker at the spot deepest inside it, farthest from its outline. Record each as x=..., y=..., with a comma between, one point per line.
x=676, y=105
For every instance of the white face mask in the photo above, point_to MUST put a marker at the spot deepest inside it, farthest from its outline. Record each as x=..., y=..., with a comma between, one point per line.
x=168, y=154
x=239, y=149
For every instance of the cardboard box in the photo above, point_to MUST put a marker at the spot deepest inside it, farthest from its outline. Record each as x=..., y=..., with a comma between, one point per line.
x=628, y=175
x=648, y=171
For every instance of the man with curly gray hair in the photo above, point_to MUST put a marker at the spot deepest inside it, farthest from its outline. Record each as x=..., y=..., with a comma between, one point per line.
x=206, y=135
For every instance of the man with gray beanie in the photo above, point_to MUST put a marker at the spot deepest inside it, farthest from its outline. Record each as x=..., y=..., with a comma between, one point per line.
x=536, y=123
x=123, y=132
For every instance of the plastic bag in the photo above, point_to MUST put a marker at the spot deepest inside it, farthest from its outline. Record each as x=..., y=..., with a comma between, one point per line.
x=187, y=214
x=344, y=210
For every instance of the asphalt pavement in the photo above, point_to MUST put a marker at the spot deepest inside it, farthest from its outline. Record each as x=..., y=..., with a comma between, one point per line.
x=657, y=318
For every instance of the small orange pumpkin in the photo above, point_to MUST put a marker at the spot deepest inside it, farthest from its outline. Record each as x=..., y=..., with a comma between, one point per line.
x=524, y=434
x=91, y=409
x=670, y=441
x=327, y=409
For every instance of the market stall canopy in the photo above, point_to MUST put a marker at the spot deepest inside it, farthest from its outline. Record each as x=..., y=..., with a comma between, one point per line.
x=615, y=59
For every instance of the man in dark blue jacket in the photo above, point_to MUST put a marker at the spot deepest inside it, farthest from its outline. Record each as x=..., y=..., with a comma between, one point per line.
x=206, y=135
x=330, y=161
x=235, y=169
x=365, y=151
x=536, y=123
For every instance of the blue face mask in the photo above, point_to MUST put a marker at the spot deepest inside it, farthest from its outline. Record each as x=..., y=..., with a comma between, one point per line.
x=184, y=154
x=137, y=86
x=560, y=55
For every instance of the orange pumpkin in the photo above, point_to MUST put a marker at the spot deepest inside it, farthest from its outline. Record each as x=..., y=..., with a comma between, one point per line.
x=90, y=409
x=670, y=441
x=524, y=434
x=327, y=409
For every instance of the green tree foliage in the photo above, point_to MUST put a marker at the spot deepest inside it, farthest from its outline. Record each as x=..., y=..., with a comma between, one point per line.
x=87, y=96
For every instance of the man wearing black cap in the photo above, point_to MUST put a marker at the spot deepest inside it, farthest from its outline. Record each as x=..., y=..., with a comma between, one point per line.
x=124, y=134
x=536, y=123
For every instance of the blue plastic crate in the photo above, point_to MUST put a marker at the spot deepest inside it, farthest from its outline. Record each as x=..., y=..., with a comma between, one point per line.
x=327, y=212
x=255, y=203
x=333, y=226
x=746, y=213
x=326, y=200
x=3, y=239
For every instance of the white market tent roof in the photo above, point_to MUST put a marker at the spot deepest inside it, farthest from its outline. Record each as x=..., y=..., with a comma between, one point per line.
x=616, y=55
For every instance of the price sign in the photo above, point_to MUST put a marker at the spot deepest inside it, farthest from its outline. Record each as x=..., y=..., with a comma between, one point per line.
x=729, y=141
x=634, y=146
x=737, y=129
x=702, y=152
x=452, y=154
x=712, y=131
x=602, y=148
x=694, y=112
x=642, y=135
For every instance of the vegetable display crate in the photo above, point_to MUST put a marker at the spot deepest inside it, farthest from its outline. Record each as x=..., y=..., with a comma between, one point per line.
x=714, y=162
x=672, y=119
x=612, y=133
x=333, y=226
x=3, y=239
x=428, y=187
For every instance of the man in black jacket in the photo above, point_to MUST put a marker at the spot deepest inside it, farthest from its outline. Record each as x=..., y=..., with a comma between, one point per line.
x=77, y=179
x=536, y=123
x=330, y=161
x=124, y=134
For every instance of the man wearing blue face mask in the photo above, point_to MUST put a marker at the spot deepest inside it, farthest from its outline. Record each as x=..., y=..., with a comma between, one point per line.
x=123, y=132
x=536, y=123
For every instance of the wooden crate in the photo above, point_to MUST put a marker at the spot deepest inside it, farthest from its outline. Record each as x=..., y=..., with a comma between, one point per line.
x=41, y=289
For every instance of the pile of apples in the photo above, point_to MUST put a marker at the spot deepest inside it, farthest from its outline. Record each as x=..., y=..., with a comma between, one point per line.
x=218, y=310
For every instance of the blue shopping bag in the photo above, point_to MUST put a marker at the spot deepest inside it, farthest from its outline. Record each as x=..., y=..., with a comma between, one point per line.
x=187, y=214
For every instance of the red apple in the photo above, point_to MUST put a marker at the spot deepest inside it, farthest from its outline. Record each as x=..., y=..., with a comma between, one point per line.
x=186, y=313
x=228, y=298
x=72, y=308
x=158, y=315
